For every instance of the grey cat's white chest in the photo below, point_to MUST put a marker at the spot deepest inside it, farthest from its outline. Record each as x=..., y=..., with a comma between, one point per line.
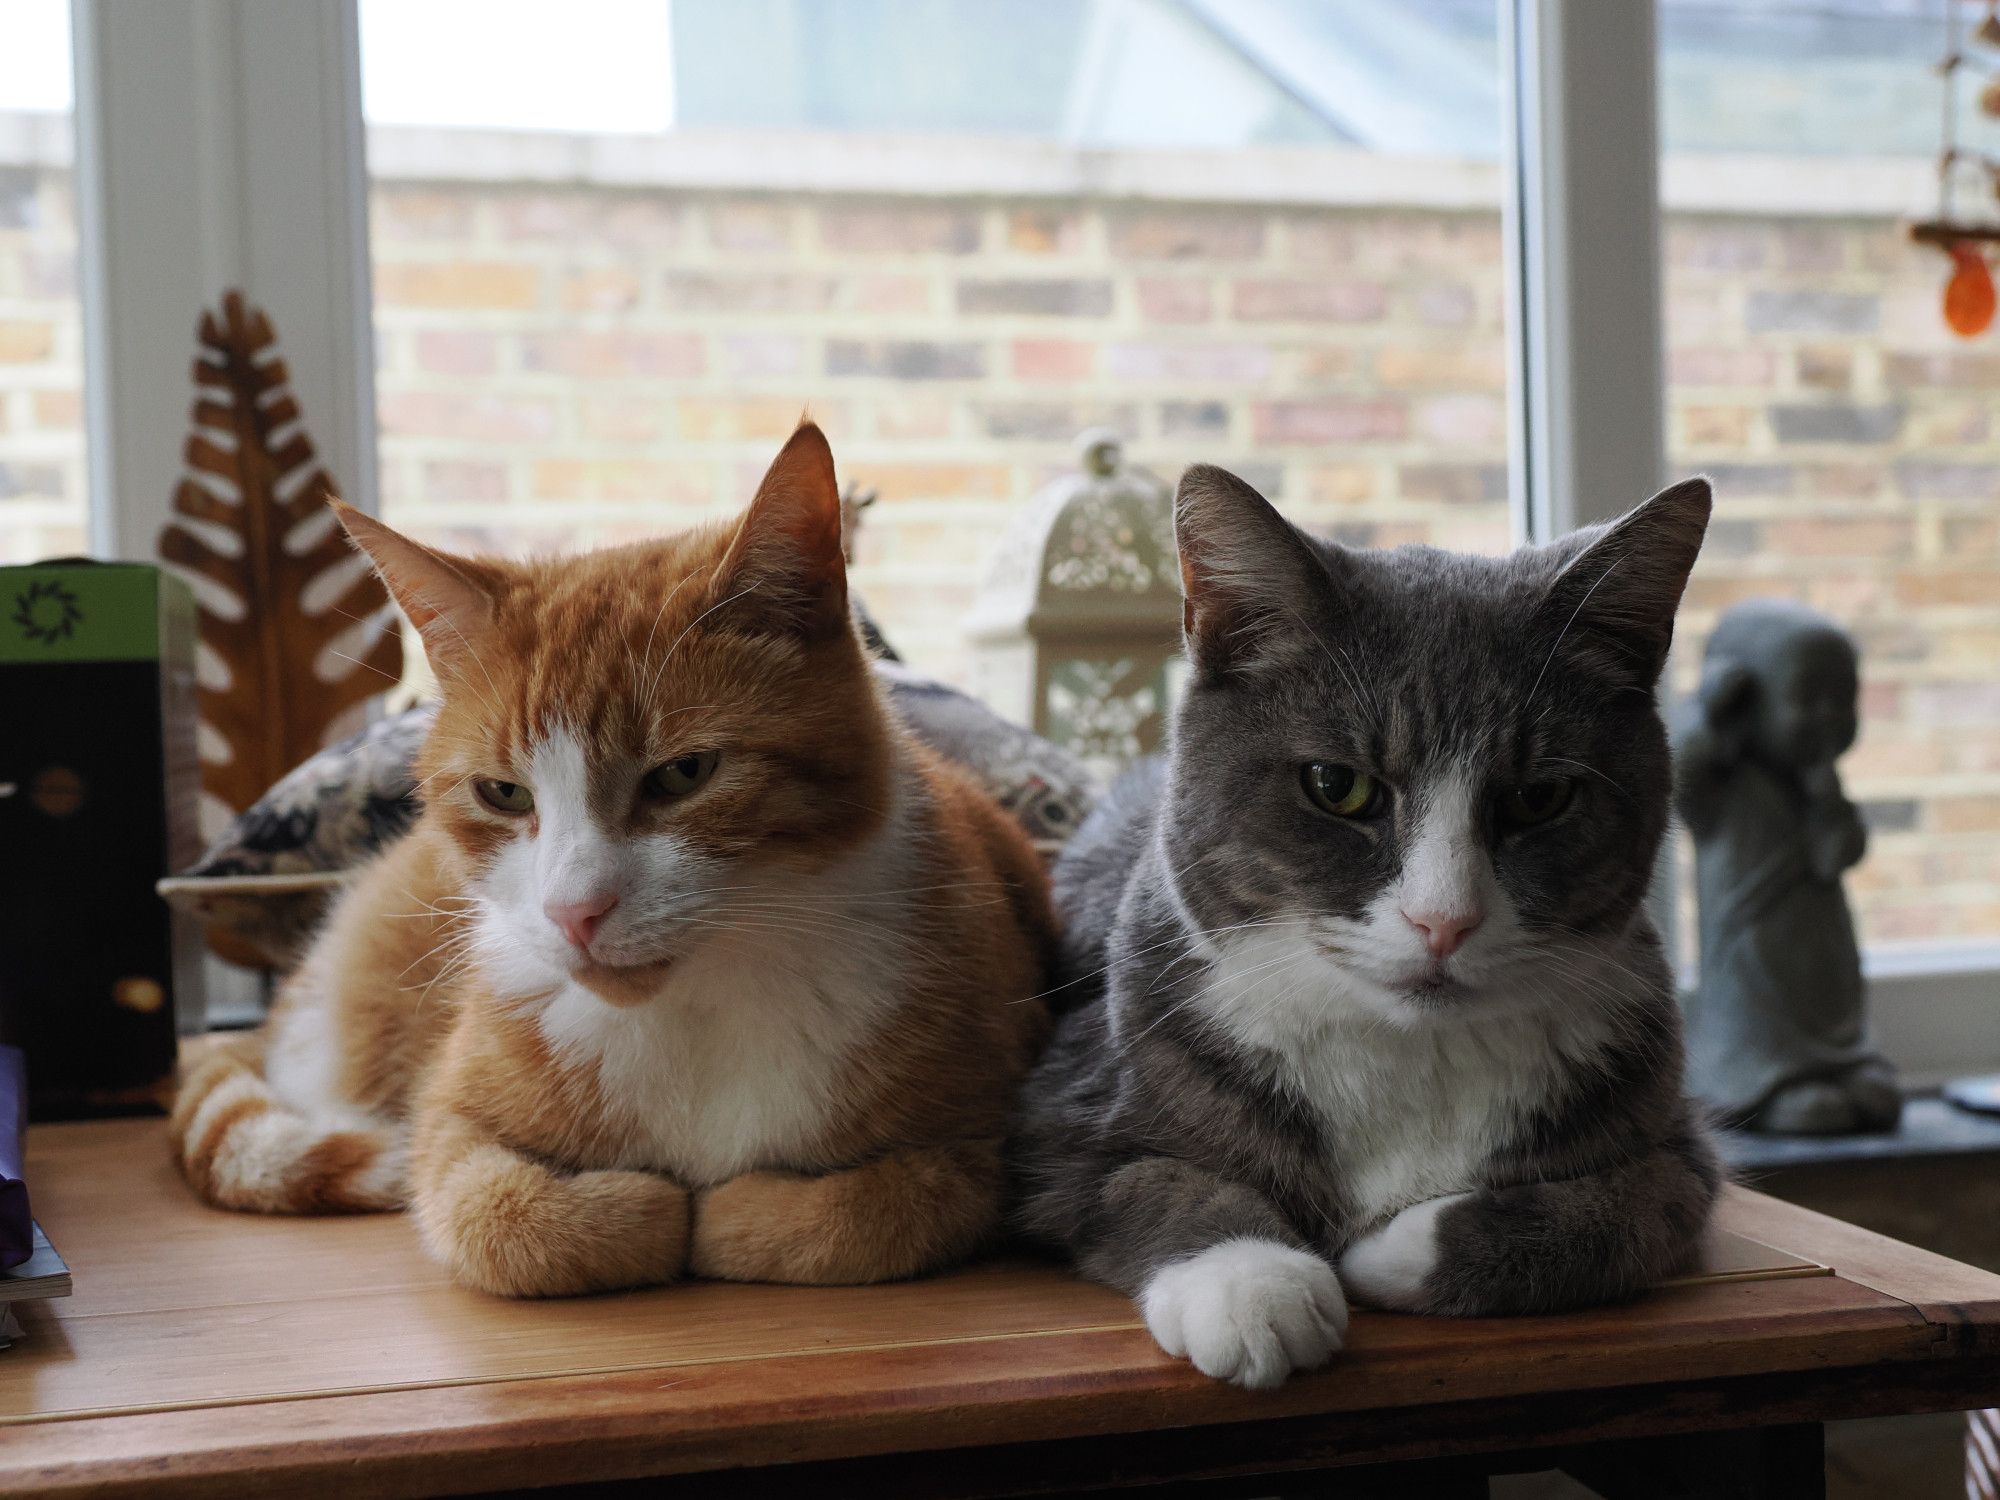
x=1411, y=1109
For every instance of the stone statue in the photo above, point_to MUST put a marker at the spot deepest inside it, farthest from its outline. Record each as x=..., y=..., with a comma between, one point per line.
x=1776, y=1034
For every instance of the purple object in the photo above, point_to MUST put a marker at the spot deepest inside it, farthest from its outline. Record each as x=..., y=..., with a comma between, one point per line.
x=17, y=1228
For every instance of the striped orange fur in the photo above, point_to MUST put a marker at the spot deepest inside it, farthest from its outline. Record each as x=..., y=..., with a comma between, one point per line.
x=696, y=962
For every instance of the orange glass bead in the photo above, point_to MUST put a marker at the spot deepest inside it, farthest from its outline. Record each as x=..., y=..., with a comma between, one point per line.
x=1968, y=296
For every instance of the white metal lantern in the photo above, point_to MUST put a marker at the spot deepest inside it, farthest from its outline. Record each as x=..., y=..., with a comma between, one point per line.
x=1077, y=628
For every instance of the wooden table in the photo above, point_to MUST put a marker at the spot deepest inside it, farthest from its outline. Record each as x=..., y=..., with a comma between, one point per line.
x=218, y=1354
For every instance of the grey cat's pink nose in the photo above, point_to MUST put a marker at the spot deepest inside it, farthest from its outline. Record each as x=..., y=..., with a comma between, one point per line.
x=1444, y=933
x=579, y=920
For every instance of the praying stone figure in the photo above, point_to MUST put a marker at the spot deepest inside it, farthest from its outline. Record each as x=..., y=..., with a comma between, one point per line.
x=1776, y=1033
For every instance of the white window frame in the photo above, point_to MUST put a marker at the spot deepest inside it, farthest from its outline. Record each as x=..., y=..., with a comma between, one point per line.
x=220, y=143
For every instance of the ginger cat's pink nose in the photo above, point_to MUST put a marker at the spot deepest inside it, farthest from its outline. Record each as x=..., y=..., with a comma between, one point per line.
x=1444, y=933
x=579, y=920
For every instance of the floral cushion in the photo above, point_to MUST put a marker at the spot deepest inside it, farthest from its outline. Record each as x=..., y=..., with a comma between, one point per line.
x=268, y=879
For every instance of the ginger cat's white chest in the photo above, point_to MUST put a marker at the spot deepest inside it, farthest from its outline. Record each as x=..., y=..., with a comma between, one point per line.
x=739, y=1063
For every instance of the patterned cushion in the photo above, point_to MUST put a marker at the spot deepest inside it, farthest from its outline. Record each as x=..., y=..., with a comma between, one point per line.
x=268, y=879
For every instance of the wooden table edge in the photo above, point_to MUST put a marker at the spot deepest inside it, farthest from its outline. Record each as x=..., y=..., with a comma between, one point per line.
x=862, y=1408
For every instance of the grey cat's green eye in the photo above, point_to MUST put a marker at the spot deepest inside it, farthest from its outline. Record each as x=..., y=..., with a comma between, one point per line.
x=1535, y=802
x=1342, y=790
x=679, y=777
x=505, y=796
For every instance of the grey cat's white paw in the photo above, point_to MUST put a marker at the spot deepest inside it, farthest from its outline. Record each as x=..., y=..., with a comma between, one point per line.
x=1388, y=1267
x=1249, y=1311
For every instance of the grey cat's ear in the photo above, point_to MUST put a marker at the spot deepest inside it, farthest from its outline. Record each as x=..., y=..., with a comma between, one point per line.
x=1614, y=601
x=785, y=562
x=1251, y=579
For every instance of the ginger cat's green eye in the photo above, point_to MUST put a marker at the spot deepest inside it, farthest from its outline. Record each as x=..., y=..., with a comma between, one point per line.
x=1342, y=790
x=505, y=796
x=679, y=777
x=1535, y=802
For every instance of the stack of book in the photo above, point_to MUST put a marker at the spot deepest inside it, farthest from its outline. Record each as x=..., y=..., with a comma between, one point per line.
x=41, y=1275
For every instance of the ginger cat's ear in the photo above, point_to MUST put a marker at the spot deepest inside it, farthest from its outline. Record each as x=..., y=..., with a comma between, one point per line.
x=449, y=599
x=784, y=571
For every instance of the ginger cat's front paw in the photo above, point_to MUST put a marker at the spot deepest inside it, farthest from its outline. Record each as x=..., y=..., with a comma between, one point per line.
x=900, y=1215
x=761, y=1227
x=1247, y=1311
x=507, y=1225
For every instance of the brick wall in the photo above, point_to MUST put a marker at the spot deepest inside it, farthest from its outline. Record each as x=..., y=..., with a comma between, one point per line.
x=1856, y=449
x=41, y=368
x=566, y=366
x=572, y=365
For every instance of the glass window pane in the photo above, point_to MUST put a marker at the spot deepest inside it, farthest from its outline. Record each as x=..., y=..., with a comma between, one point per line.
x=1854, y=440
x=1265, y=235
x=42, y=489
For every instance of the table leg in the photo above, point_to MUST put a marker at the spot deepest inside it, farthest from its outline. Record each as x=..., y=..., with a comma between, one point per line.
x=1764, y=1463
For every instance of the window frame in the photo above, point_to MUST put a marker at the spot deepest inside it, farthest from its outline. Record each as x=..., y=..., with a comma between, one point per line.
x=189, y=112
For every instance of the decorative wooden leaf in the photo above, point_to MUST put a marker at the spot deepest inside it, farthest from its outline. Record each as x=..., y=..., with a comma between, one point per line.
x=278, y=586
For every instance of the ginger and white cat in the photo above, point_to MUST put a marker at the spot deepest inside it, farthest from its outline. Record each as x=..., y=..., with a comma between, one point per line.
x=696, y=962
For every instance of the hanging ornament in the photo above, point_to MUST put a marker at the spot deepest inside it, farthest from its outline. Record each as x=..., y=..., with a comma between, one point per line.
x=1968, y=297
x=1988, y=30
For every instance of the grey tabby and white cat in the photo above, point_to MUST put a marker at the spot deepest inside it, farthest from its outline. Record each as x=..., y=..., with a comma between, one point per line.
x=1384, y=1013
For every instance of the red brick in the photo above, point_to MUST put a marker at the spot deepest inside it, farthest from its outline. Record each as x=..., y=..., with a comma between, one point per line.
x=933, y=481
x=58, y=410
x=618, y=479
x=403, y=213
x=670, y=356
x=1965, y=814
x=1053, y=359
x=760, y=355
x=481, y=419
x=1174, y=299
x=24, y=343
x=1163, y=362
x=716, y=419
x=601, y=289
x=749, y=225
x=1826, y=536
x=464, y=480
x=1332, y=241
x=1447, y=306
x=906, y=418
x=587, y=217
x=1314, y=301
x=1721, y=367
x=447, y=352
x=1328, y=421
x=457, y=283
x=1478, y=366
x=903, y=229
x=1715, y=426
x=890, y=294
x=1187, y=234
x=622, y=419
x=1045, y=231
x=771, y=291
x=1462, y=421
x=1826, y=368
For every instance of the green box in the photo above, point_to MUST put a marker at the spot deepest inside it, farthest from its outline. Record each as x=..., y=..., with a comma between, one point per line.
x=99, y=789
